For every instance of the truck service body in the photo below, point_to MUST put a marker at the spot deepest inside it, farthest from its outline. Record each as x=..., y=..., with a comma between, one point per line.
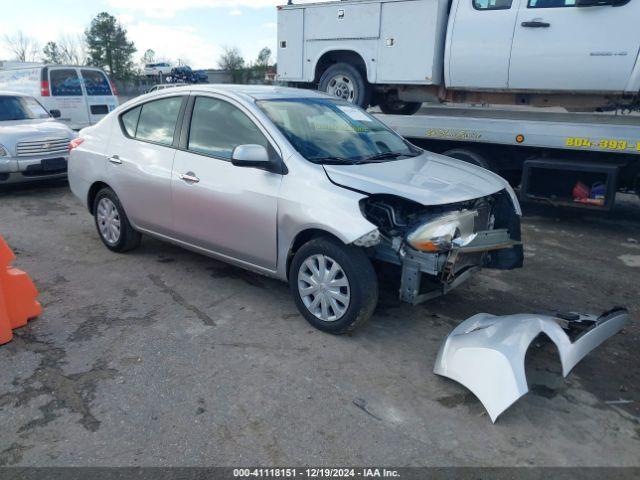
x=581, y=54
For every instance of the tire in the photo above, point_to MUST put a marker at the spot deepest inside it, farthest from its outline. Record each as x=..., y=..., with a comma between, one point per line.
x=469, y=156
x=127, y=238
x=347, y=82
x=361, y=285
x=398, y=107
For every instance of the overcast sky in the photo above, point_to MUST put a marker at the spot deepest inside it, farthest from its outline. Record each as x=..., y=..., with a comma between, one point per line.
x=194, y=30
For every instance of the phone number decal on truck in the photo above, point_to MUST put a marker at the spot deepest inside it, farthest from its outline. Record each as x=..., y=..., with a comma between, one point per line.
x=603, y=144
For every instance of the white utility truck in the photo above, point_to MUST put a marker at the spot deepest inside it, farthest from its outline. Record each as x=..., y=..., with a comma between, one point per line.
x=578, y=54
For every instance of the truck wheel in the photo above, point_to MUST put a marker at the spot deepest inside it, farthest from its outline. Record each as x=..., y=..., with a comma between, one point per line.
x=469, y=156
x=334, y=285
x=398, y=107
x=112, y=223
x=346, y=82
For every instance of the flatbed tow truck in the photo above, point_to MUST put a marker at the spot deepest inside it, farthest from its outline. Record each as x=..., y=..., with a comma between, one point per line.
x=563, y=159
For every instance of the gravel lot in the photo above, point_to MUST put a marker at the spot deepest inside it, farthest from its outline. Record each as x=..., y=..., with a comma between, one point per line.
x=165, y=357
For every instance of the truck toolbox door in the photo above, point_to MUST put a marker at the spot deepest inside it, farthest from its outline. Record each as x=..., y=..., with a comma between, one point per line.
x=479, y=40
x=560, y=46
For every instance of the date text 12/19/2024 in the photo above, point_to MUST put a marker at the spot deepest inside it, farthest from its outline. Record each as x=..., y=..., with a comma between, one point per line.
x=315, y=473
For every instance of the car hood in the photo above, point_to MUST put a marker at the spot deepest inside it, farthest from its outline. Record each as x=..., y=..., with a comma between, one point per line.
x=12, y=132
x=428, y=179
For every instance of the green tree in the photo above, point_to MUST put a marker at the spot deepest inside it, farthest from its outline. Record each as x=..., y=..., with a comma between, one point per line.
x=261, y=65
x=51, y=53
x=232, y=61
x=108, y=46
x=148, y=57
x=264, y=58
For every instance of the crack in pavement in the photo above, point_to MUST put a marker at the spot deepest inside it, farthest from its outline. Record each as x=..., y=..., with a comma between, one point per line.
x=180, y=300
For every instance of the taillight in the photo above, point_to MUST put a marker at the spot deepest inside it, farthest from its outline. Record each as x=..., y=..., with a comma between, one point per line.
x=76, y=142
x=44, y=88
x=114, y=90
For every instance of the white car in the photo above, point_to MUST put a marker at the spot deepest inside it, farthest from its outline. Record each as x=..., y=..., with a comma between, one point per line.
x=155, y=69
x=33, y=146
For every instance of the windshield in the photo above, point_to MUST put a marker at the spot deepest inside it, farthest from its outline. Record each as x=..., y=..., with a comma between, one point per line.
x=20, y=108
x=333, y=131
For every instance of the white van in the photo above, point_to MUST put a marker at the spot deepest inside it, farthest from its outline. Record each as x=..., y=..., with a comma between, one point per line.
x=83, y=95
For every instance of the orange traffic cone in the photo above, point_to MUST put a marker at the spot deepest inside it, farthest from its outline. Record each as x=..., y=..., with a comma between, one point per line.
x=18, y=295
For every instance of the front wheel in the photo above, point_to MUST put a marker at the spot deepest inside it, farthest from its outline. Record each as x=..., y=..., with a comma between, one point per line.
x=334, y=285
x=346, y=82
x=397, y=107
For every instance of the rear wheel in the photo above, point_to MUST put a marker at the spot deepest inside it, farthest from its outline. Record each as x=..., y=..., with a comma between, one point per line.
x=346, y=82
x=334, y=285
x=392, y=106
x=112, y=223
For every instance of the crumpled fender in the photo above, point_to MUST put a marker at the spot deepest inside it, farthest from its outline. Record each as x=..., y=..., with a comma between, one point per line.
x=486, y=353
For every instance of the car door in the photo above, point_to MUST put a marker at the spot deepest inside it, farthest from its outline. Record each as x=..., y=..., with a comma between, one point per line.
x=140, y=159
x=99, y=97
x=218, y=206
x=559, y=46
x=479, y=40
x=66, y=91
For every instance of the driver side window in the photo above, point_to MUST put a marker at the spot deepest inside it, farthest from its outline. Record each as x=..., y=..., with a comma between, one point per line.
x=217, y=127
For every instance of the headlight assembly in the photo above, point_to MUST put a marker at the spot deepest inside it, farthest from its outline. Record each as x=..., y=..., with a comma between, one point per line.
x=3, y=152
x=445, y=232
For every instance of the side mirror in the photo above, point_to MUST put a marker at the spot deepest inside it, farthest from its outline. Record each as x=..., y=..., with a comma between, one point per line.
x=55, y=113
x=250, y=156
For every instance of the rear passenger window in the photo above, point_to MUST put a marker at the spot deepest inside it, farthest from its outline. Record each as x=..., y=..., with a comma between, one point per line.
x=65, y=83
x=158, y=119
x=130, y=121
x=95, y=82
x=492, y=4
x=217, y=127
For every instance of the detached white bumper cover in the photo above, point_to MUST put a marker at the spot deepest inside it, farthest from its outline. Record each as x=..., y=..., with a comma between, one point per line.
x=486, y=353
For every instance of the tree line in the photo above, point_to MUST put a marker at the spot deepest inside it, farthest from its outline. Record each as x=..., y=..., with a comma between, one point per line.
x=105, y=44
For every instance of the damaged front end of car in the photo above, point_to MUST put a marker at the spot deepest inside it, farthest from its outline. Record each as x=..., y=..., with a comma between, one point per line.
x=439, y=247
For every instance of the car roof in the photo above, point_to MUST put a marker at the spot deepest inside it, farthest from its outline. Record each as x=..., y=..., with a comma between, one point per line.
x=13, y=94
x=255, y=92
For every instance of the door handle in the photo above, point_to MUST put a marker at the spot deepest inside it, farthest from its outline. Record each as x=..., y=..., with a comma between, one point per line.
x=115, y=159
x=189, y=177
x=536, y=24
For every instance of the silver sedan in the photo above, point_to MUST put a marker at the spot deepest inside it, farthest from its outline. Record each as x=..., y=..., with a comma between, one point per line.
x=296, y=185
